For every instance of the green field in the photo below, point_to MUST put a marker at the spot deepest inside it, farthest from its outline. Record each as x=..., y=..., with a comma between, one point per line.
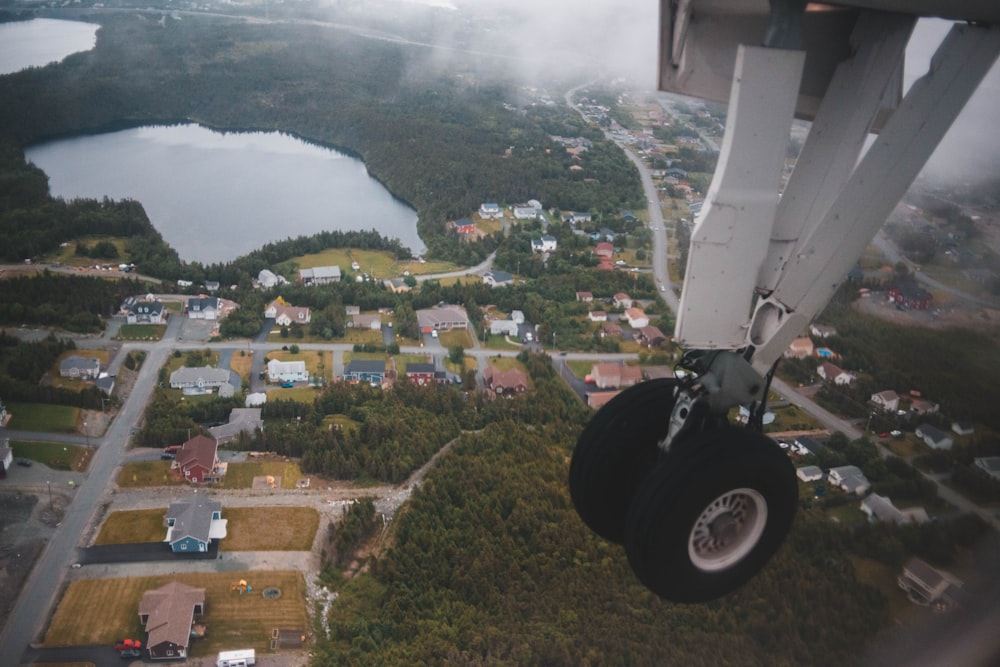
x=240, y=475
x=43, y=417
x=141, y=331
x=147, y=473
x=380, y=264
x=55, y=455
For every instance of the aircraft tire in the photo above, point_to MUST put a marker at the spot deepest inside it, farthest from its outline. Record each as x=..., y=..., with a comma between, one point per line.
x=615, y=451
x=710, y=516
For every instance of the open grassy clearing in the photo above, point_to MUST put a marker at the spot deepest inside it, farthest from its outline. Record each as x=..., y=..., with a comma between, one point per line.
x=269, y=528
x=460, y=337
x=101, y=611
x=133, y=527
x=147, y=473
x=141, y=332
x=882, y=577
x=240, y=475
x=312, y=359
x=42, y=417
x=55, y=455
x=300, y=394
x=191, y=360
x=379, y=263
x=248, y=528
x=242, y=364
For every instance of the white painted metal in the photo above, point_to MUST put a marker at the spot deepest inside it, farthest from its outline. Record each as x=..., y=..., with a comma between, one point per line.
x=824, y=256
x=732, y=232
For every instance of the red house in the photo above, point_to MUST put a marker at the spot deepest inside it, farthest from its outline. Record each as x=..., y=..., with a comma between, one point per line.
x=198, y=460
x=910, y=296
x=421, y=373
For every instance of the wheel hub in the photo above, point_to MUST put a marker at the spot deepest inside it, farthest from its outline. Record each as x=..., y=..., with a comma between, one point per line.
x=727, y=529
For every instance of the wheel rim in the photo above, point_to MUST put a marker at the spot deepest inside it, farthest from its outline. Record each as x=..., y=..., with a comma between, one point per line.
x=727, y=530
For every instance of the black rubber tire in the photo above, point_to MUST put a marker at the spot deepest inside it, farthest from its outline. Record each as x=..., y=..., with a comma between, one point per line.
x=690, y=487
x=615, y=451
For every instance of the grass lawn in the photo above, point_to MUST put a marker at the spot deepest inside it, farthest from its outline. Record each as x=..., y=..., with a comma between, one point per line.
x=141, y=331
x=43, y=417
x=242, y=364
x=240, y=475
x=459, y=337
x=379, y=263
x=133, y=527
x=300, y=394
x=147, y=473
x=101, y=611
x=882, y=577
x=269, y=528
x=848, y=514
x=191, y=360
x=580, y=367
x=790, y=418
x=249, y=528
x=310, y=357
x=53, y=454
x=907, y=447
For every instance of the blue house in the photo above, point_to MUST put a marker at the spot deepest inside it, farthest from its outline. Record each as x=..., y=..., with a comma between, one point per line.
x=192, y=524
x=365, y=370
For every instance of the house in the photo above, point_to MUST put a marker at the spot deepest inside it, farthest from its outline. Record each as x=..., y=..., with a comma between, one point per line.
x=849, y=479
x=963, y=428
x=622, y=300
x=927, y=586
x=320, y=275
x=517, y=316
x=822, y=331
x=199, y=380
x=504, y=327
x=241, y=420
x=609, y=375
x=545, y=244
x=880, y=508
x=442, y=318
x=285, y=315
x=575, y=217
x=510, y=381
x=922, y=406
x=421, y=373
x=192, y=524
x=351, y=311
x=934, y=437
x=800, y=348
x=806, y=444
x=203, y=307
x=464, y=226
x=6, y=457
x=651, y=336
x=604, y=250
x=989, y=465
x=211, y=285
x=365, y=370
x=530, y=211
x=586, y=297
x=835, y=374
x=106, y=383
x=372, y=322
x=287, y=371
x=606, y=234
x=268, y=279
x=168, y=614
x=198, y=460
x=597, y=399
x=490, y=210
x=498, y=278
x=627, y=215
x=636, y=317
x=886, y=401
x=809, y=473
x=612, y=329
x=145, y=311
x=78, y=367
x=910, y=295
x=598, y=316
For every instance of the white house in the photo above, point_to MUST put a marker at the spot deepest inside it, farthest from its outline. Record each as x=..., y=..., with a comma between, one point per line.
x=934, y=437
x=200, y=379
x=545, y=244
x=835, y=374
x=287, y=371
x=850, y=479
x=886, y=401
x=285, y=315
x=637, y=318
x=503, y=327
x=320, y=275
x=203, y=308
x=809, y=473
x=490, y=210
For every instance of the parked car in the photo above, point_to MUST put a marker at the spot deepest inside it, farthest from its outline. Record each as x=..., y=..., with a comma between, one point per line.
x=287, y=385
x=166, y=456
x=24, y=462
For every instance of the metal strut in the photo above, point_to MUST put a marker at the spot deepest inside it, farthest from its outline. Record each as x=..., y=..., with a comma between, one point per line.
x=763, y=265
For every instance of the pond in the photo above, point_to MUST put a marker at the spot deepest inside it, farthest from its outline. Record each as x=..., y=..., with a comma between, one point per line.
x=38, y=42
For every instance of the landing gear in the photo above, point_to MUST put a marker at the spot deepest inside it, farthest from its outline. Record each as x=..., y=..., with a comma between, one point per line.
x=710, y=516
x=616, y=450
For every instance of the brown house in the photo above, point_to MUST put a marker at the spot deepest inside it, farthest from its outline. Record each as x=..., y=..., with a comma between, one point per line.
x=511, y=381
x=168, y=614
x=198, y=460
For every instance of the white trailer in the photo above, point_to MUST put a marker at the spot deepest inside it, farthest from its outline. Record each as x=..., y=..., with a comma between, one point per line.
x=241, y=658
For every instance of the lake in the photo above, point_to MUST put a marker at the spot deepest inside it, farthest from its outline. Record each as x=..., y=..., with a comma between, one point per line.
x=38, y=42
x=216, y=196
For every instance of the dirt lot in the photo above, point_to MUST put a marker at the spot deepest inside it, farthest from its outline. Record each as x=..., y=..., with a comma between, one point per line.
x=26, y=523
